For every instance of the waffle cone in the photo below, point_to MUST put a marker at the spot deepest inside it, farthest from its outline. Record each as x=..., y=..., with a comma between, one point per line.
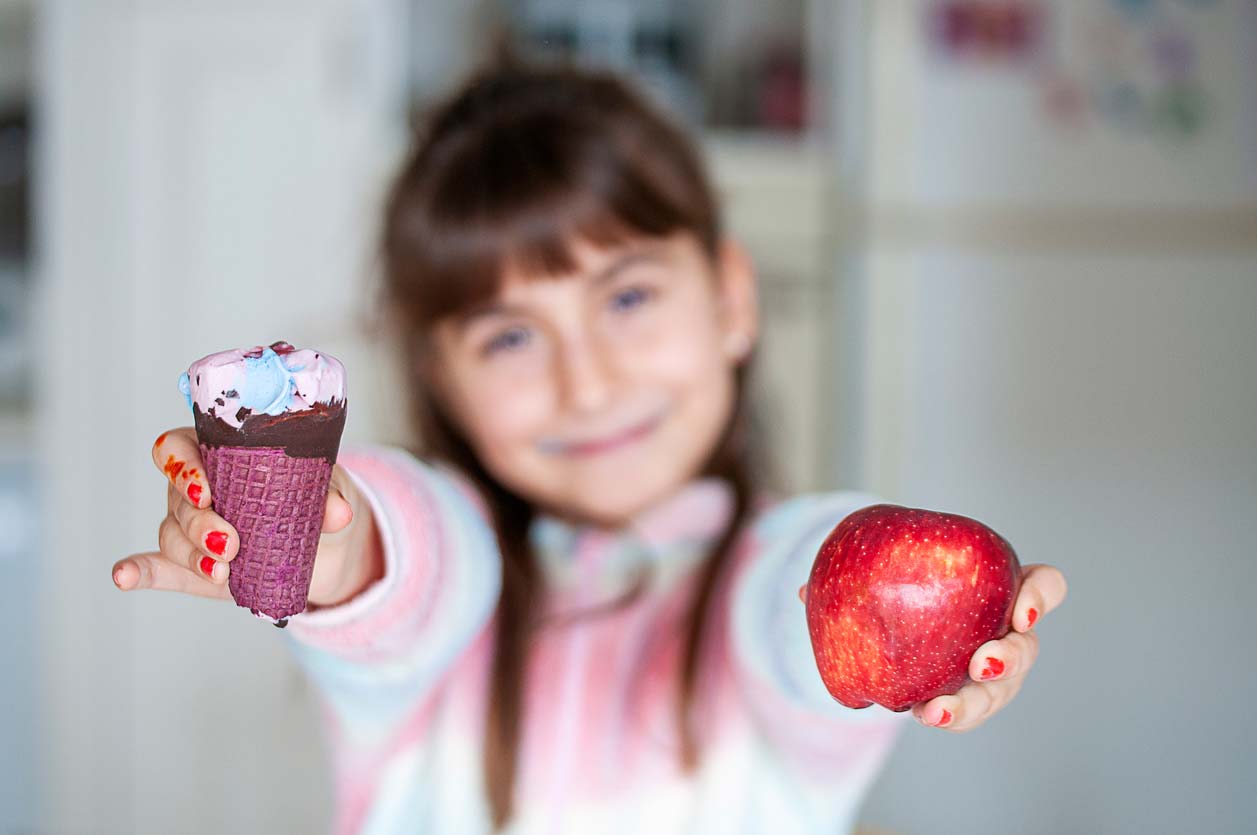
x=276, y=503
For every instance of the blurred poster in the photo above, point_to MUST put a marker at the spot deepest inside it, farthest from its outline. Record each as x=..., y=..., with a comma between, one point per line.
x=997, y=34
x=1141, y=68
x=1147, y=103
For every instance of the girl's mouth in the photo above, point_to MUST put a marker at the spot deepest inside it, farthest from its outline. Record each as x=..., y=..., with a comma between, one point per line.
x=612, y=442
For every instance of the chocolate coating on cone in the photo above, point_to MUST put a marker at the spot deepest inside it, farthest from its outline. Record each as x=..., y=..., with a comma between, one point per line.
x=310, y=433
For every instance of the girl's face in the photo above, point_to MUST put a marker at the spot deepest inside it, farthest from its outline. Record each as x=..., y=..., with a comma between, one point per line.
x=601, y=392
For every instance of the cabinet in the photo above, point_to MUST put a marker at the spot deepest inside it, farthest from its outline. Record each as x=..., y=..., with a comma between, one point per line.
x=777, y=195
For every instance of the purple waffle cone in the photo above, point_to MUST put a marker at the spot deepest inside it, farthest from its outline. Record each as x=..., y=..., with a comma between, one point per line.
x=269, y=422
x=276, y=503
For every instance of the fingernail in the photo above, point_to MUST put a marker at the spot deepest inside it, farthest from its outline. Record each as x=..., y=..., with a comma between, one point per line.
x=1031, y=617
x=216, y=541
x=945, y=719
x=117, y=578
x=160, y=438
x=207, y=566
x=194, y=493
x=994, y=668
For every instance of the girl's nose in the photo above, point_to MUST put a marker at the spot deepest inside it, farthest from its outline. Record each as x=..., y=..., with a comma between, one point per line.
x=586, y=376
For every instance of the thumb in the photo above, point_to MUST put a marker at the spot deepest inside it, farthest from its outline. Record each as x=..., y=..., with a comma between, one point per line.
x=338, y=512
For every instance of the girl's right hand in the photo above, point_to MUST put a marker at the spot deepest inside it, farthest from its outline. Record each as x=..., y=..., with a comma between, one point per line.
x=197, y=545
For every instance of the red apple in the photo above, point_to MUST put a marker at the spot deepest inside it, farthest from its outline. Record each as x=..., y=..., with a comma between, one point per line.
x=899, y=599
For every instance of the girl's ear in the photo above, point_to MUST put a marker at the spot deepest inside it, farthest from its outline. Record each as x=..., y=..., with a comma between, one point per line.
x=739, y=300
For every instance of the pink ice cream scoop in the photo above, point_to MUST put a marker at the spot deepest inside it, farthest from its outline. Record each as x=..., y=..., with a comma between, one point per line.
x=269, y=422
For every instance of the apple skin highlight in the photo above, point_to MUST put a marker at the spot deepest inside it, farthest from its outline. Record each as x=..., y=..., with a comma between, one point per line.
x=900, y=598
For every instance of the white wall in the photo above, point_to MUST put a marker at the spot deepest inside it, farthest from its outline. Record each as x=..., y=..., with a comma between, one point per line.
x=204, y=170
x=1056, y=335
x=1101, y=413
x=1055, y=331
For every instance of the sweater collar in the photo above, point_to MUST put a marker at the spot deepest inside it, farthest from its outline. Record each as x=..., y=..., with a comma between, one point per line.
x=695, y=514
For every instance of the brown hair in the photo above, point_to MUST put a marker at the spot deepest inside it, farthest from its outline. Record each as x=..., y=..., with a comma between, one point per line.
x=511, y=169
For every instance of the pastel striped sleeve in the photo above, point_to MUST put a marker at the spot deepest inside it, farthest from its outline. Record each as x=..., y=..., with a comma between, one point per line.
x=773, y=651
x=391, y=644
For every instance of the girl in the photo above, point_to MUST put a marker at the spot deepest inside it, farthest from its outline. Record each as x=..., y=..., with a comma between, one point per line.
x=574, y=608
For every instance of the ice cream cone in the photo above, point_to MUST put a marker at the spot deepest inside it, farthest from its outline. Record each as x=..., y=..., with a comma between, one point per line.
x=269, y=423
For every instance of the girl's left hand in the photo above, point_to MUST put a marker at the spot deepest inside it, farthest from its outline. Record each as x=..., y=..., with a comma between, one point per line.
x=998, y=667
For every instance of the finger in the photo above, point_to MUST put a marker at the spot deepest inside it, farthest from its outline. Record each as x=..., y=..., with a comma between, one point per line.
x=968, y=707
x=178, y=549
x=153, y=571
x=177, y=456
x=338, y=513
x=1043, y=588
x=211, y=532
x=1009, y=657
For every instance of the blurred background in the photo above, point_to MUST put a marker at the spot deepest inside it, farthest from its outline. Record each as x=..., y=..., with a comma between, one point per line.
x=1008, y=260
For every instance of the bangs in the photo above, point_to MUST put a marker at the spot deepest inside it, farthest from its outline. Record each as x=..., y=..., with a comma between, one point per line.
x=519, y=192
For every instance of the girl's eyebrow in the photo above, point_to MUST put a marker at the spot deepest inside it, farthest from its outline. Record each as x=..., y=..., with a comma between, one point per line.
x=631, y=256
x=628, y=258
x=484, y=311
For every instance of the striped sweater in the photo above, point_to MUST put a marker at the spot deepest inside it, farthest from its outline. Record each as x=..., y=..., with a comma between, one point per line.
x=402, y=671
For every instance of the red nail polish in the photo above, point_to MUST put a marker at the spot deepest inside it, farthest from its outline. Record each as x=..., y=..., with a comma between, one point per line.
x=173, y=467
x=216, y=541
x=994, y=667
x=194, y=492
x=1031, y=617
x=945, y=719
x=207, y=565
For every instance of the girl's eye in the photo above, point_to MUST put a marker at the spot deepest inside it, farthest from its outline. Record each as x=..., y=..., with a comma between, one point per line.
x=630, y=298
x=508, y=340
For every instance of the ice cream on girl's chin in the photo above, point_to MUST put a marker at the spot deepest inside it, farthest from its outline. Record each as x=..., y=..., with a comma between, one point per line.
x=265, y=380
